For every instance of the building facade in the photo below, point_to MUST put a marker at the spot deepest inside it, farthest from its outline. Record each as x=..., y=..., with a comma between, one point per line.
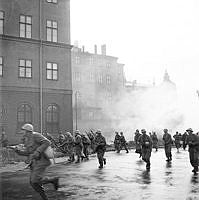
x=35, y=66
x=98, y=80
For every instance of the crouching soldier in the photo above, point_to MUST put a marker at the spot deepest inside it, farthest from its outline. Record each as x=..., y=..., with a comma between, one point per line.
x=193, y=142
x=146, y=144
x=35, y=146
x=100, y=148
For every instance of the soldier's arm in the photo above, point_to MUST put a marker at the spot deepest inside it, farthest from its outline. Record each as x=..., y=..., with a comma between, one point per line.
x=44, y=142
x=22, y=152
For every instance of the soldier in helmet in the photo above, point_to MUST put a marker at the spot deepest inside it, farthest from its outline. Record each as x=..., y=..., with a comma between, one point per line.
x=35, y=146
x=193, y=142
x=177, y=140
x=123, y=142
x=137, y=144
x=78, y=146
x=146, y=144
x=100, y=148
x=167, y=144
x=117, y=142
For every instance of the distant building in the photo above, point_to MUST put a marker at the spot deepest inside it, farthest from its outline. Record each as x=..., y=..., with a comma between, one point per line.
x=35, y=66
x=98, y=80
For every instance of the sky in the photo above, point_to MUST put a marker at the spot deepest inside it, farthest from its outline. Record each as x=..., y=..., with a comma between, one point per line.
x=148, y=36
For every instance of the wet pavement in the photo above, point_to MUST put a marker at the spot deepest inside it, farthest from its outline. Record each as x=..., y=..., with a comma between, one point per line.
x=123, y=178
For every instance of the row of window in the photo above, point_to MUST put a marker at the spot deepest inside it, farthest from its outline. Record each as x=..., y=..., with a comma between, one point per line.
x=25, y=115
x=25, y=69
x=90, y=60
x=77, y=77
x=25, y=27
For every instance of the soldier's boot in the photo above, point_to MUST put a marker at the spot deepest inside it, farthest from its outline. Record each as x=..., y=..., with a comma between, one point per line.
x=73, y=158
x=54, y=181
x=101, y=166
x=104, y=160
x=39, y=188
x=148, y=165
x=78, y=160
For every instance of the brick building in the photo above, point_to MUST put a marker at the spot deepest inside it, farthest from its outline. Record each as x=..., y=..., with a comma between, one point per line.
x=35, y=66
x=98, y=80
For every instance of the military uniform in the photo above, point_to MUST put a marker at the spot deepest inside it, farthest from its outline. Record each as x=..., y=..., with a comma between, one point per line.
x=184, y=140
x=193, y=142
x=123, y=142
x=168, y=145
x=146, y=144
x=100, y=148
x=177, y=140
x=35, y=145
x=78, y=147
x=137, y=144
x=86, y=142
x=117, y=143
x=155, y=141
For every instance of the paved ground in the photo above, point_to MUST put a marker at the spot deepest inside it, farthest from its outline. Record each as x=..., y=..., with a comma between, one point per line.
x=123, y=178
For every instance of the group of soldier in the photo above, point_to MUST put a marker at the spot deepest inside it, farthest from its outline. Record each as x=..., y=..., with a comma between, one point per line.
x=144, y=144
x=36, y=145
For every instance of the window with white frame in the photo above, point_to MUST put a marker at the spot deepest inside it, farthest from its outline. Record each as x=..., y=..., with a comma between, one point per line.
x=91, y=77
x=51, y=31
x=108, y=79
x=77, y=59
x=108, y=65
x=25, y=68
x=52, y=1
x=51, y=71
x=1, y=22
x=77, y=76
x=91, y=60
x=100, y=79
x=25, y=24
x=1, y=66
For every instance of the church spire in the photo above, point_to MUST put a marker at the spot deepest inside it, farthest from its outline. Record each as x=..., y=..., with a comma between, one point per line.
x=166, y=77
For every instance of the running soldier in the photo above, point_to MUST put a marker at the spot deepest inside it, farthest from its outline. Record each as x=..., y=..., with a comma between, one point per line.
x=78, y=146
x=155, y=141
x=193, y=142
x=167, y=144
x=137, y=144
x=177, y=140
x=184, y=140
x=70, y=142
x=117, y=142
x=100, y=148
x=123, y=142
x=86, y=143
x=146, y=144
x=35, y=146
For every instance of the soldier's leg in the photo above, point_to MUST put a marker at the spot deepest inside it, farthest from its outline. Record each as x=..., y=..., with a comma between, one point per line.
x=100, y=158
x=36, y=177
x=125, y=147
x=147, y=157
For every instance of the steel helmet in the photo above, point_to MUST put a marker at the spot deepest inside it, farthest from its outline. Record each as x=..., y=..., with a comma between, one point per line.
x=27, y=127
x=189, y=130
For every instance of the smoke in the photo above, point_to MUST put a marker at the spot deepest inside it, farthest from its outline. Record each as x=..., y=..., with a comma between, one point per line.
x=154, y=109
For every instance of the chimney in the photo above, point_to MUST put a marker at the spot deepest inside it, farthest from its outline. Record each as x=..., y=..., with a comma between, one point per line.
x=103, y=49
x=95, y=49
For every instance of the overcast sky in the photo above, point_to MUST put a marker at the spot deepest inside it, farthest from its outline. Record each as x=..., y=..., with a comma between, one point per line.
x=148, y=36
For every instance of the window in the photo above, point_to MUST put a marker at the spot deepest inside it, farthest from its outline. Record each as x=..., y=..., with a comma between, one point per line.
x=77, y=59
x=108, y=79
x=100, y=79
x=77, y=76
x=52, y=1
x=91, y=77
x=25, y=68
x=25, y=26
x=1, y=22
x=52, y=119
x=1, y=66
x=108, y=65
x=24, y=115
x=51, y=31
x=90, y=115
x=91, y=60
x=52, y=71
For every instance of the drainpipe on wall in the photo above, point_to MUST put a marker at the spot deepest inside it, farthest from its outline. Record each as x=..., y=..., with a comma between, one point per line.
x=40, y=67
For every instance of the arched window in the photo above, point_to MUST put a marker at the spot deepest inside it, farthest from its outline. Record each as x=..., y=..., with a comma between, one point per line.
x=24, y=115
x=52, y=119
